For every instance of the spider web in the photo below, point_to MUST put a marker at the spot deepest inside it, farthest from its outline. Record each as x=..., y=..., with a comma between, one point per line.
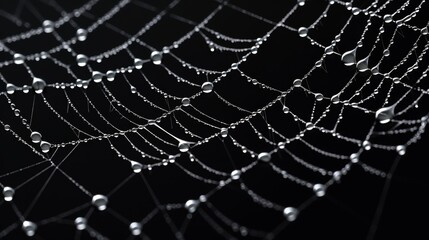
x=188, y=120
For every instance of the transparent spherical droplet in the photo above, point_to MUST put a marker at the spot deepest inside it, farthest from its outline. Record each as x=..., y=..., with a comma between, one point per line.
x=335, y=99
x=38, y=85
x=29, y=228
x=36, y=137
x=80, y=223
x=81, y=34
x=301, y=2
x=385, y=114
x=100, y=202
x=285, y=109
x=309, y=126
x=186, y=102
x=81, y=60
x=297, y=83
x=303, y=31
x=133, y=89
x=10, y=88
x=192, y=205
x=48, y=26
x=156, y=57
x=401, y=149
x=135, y=228
x=354, y=157
x=8, y=193
x=97, y=76
x=329, y=50
x=110, y=75
x=424, y=31
x=362, y=65
x=224, y=132
x=264, y=156
x=26, y=89
x=318, y=96
x=387, y=18
x=366, y=145
x=136, y=166
x=234, y=66
x=290, y=213
x=337, y=175
x=254, y=49
x=18, y=58
x=207, y=87
x=386, y=52
x=319, y=189
x=183, y=146
x=349, y=57
x=138, y=63
x=235, y=174
x=281, y=145
x=6, y=127
x=45, y=146
x=355, y=11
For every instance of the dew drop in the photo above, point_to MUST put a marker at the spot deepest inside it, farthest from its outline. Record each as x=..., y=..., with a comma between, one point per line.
x=264, y=157
x=80, y=223
x=8, y=193
x=18, y=58
x=81, y=34
x=38, y=85
x=385, y=114
x=81, y=60
x=301, y=2
x=303, y=31
x=366, y=145
x=10, y=88
x=207, y=87
x=186, y=102
x=335, y=99
x=183, y=146
x=192, y=205
x=29, y=228
x=138, y=63
x=224, y=132
x=362, y=65
x=424, y=31
x=156, y=57
x=235, y=175
x=26, y=89
x=309, y=126
x=100, y=202
x=290, y=213
x=349, y=57
x=135, y=228
x=110, y=75
x=297, y=83
x=401, y=150
x=285, y=109
x=387, y=18
x=386, y=52
x=136, y=166
x=319, y=97
x=45, y=146
x=133, y=89
x=329, y=50
x=319, y=189
x=354, y=157
x=36, y=137
x=97, y=76
x=337, y=175
x=48, y=26
x=234, y=66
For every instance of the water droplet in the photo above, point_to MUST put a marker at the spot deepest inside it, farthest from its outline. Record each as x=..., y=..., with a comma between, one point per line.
x=29, y=228
x=97, y=76
x=135, y=228
x=254, y=49
x=6, y=127
x=362, y=65
x=81, y=34
x=297, y=83
x=354, y=157
x=26, y=89
x=224, y=132
x=45, y=146
x=366, y=145
x=349, y=57
x=387, y=18
x=401, y=149
x=235, y=175
x=290, y=213
x=110, y=75
x=355, y=11
x=385, y=114
x=156, y=57
x=329, y=50
x=133, y=89
x=301, y=2
x=376, y=69
x=10, y=88
x=234, y=66
x=81, y=60
x=425, y=31
x=207, y=87
x=136, y=166
x=319, y=97
x=191, y=205
x=18, y=58
x=337, y=175
x=183, y=146
x=303, y=31
x=38, y=85
x=281, y=145
x=309, y=126
x=386, y=52
x=8, y=193
x=80, y=223
x=264, y=157
x=186, y=102
x=319, y=189
x=36, y=137
x=100, y=202
x=335, y=99
x=285, y=109
x=138, y=63
x=48, y=26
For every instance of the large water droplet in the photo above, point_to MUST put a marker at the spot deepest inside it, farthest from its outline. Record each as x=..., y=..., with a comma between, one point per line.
x=80, y=223
x=135, y=228
x=156, y=57
x=235, y=175
x=8, y=193
x=319, y=189
x=36, y=137
x=309, y=126
x=97, y=76
x=290, y=213
x=136, y=166
x=385, y=114
x=18, y=58
x=387, y=18
x=186, y=102
x=138, y=63
x=318, y=96
x=303, y=31
x=29, y=228
x=81, y=60
x=264, y=156
x=207, y=87
x=10, y=88
x=81, y=34
x=183, y=146
x=48, y=26
x=45, y=146
x=110, y=75
x=362, y=65
x=349, y=57
x=38, y=85
x=191, y=205
x=100, y=202
x=335, y=99
x=297, y=83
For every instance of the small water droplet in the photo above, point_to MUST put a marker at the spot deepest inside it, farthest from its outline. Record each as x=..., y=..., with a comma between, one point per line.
x=38, y=85
x=303, y=31
x=45, y=146
x=385, y=114
x=10, y=88
x=81, y=60
x=366, y=145
x=29, y=228
x=386, y=52
x=81, y=34
x=183, y=146
x=18, y=58
x=36, y=137
x=207, y=87
x=329, y=50
x=285, y=109
x=80, y=223
x=234, y=66
x=349, y=57
x=235, y=175
x=138, y=63
x=224, y=132
x=290, y=213
x=135, y=228
x=186, y=102
x=8, y=193
x=48, y=26
x=387, y=18
x=362, y=65
x=301, y=2
x=401, y=149
x=319, y=189
x=97, y=76
x=318, y=97
x=309, y=126
x=264, y=157
x=100, y=202
x=354, y=157
x=192, y=205
x=337, y=175
x=297, y=83
x=110, y=75
x=156, y=57
x=335, y=99
x=136, y=166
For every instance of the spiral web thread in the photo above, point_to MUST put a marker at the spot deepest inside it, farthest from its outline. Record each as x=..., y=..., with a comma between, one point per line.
x=388, y=94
